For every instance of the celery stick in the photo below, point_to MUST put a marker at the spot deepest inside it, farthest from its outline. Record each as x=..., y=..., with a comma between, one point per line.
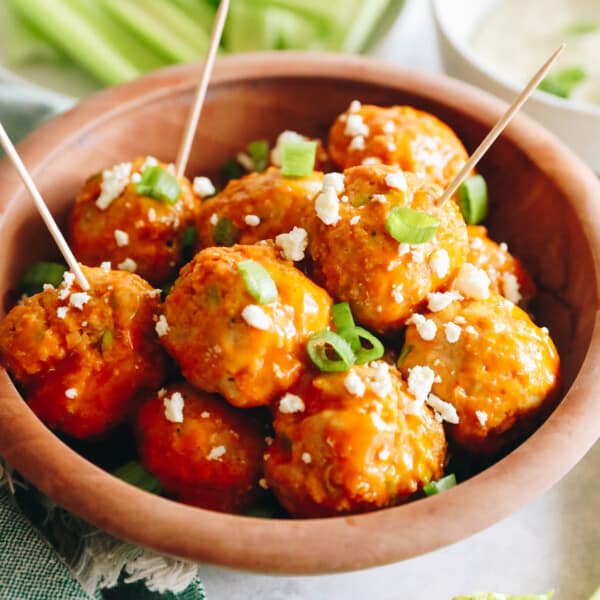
x=363, y=24
x=78, y=38
x=200, y=11
x=164, y=26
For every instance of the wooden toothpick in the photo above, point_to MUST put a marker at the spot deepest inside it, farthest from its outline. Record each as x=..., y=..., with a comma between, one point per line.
x=190, y=128
x=500, y=126
x=55, y=232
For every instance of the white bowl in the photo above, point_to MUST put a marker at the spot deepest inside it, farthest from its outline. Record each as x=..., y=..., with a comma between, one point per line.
x=576, y=123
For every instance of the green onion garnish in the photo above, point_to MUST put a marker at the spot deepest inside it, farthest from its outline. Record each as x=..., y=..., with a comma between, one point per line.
x=225, y=233
x=330, y=352
x=259, y=153
x=298, y=158
x=188, y=239
x=159, y=184
x=582, y=27
x=258, y=281
x=342, y=316
x=410, y=226
x=473, y=199
x=107, y=340
x=231, y=169
x=135, y=474
x=355, y=337
x=441, y=485
x=39, y=274
x=405, y=352
x=562, y=83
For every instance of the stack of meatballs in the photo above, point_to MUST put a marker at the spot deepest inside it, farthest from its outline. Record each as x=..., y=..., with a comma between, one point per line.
x=225, y=401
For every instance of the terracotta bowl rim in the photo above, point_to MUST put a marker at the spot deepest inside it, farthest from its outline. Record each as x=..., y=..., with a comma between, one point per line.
x=316, y=545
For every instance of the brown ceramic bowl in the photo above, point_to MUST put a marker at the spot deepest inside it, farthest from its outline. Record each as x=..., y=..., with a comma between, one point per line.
x=545, y=204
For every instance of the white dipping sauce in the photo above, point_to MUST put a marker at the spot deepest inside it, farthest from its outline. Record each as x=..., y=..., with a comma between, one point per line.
x=518, y=35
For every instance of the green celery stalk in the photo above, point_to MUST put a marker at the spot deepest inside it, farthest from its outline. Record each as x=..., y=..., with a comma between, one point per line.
x=162, y=25
x=199, y=11
x=82, y=41
x=363, y=23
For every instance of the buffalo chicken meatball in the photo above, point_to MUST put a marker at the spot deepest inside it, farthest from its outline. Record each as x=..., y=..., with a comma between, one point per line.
x=257, y=207
x=202, y=451
x=489, y=365
x=507, y=275
x=352, y=442
x=227, y=341
x=357, y=259
x=399, y=135
x=81, y=357
x=112, y=221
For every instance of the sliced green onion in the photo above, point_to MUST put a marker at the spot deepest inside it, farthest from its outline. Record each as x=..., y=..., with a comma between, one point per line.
x=562, y=83
x=259, y=153
x=225, y=233
x=473, y=199
x=298, y=158
x=582, y=27
x=107, y=340
x=410, y=226
x=231, y=169
x=330, y=352
x=405, y=352
x=258, y=281
x=135, y=474
x=441, y=485
x=188, y=240
x=159, y=184
x=342, y=316
x=355, y=337
x=39, y=274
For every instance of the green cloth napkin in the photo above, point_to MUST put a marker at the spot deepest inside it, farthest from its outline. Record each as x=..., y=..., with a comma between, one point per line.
x=31, y=568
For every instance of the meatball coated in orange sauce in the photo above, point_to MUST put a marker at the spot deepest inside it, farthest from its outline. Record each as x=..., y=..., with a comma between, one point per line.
x=148, y=232
x=257, y=207
x=352, y=442
x=358, y=261
x=492, y=363
x=227, y=343
x=507, y=275
x=399, y=135
x=201, y=450
x=82, y=357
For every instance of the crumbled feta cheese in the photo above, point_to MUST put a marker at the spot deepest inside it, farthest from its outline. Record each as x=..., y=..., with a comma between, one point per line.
x=453, y=332
x=511, y=288
x=151, y=215
x=397, y=294
x=403, y=248
x=122, y=238
x=263, y=483
x=47, y=286
x=252, y=220
x=460, y=320
x=417, y=254
x=440, y=263
x=354, y=384
x=245, y=160
x=68, y=279
x=290, y=404
x=438, y=301
x=356, y=126
x=380, y=381
x=161, y=393
x=389, y=127
x=334, y=180
x=203, y=186
x=482, y=417
x=345, y=199
x=71, y=393
x=383, y=454
x=396, y=181
x=471, y=330
x=204, y=414
x=79, y=299
x=149, y=162
x=503, y=247
x=355, y=220
x=61, y=312
x=136, y=178
x=284, y=136
x=426, y=328
x=128, y=265
x=545, y=330
x=472, y=282
x=357, y=143
x=420, y=380
x=216, y=453
x=306, y=458
x=327, y=206
x=174, y=408
x=114, y=181
x=310, y=305
x=106, y=266
x=392, y=147
x=162, y=327
x=378, y=198
x=446, y=410
x=214, y=219
x=355, y=106
x=369, y=160
x=256, y=317
x=293, y=244
x=476, y=243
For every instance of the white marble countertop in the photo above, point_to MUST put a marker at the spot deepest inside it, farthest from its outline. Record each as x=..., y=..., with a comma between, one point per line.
x=554, y=543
